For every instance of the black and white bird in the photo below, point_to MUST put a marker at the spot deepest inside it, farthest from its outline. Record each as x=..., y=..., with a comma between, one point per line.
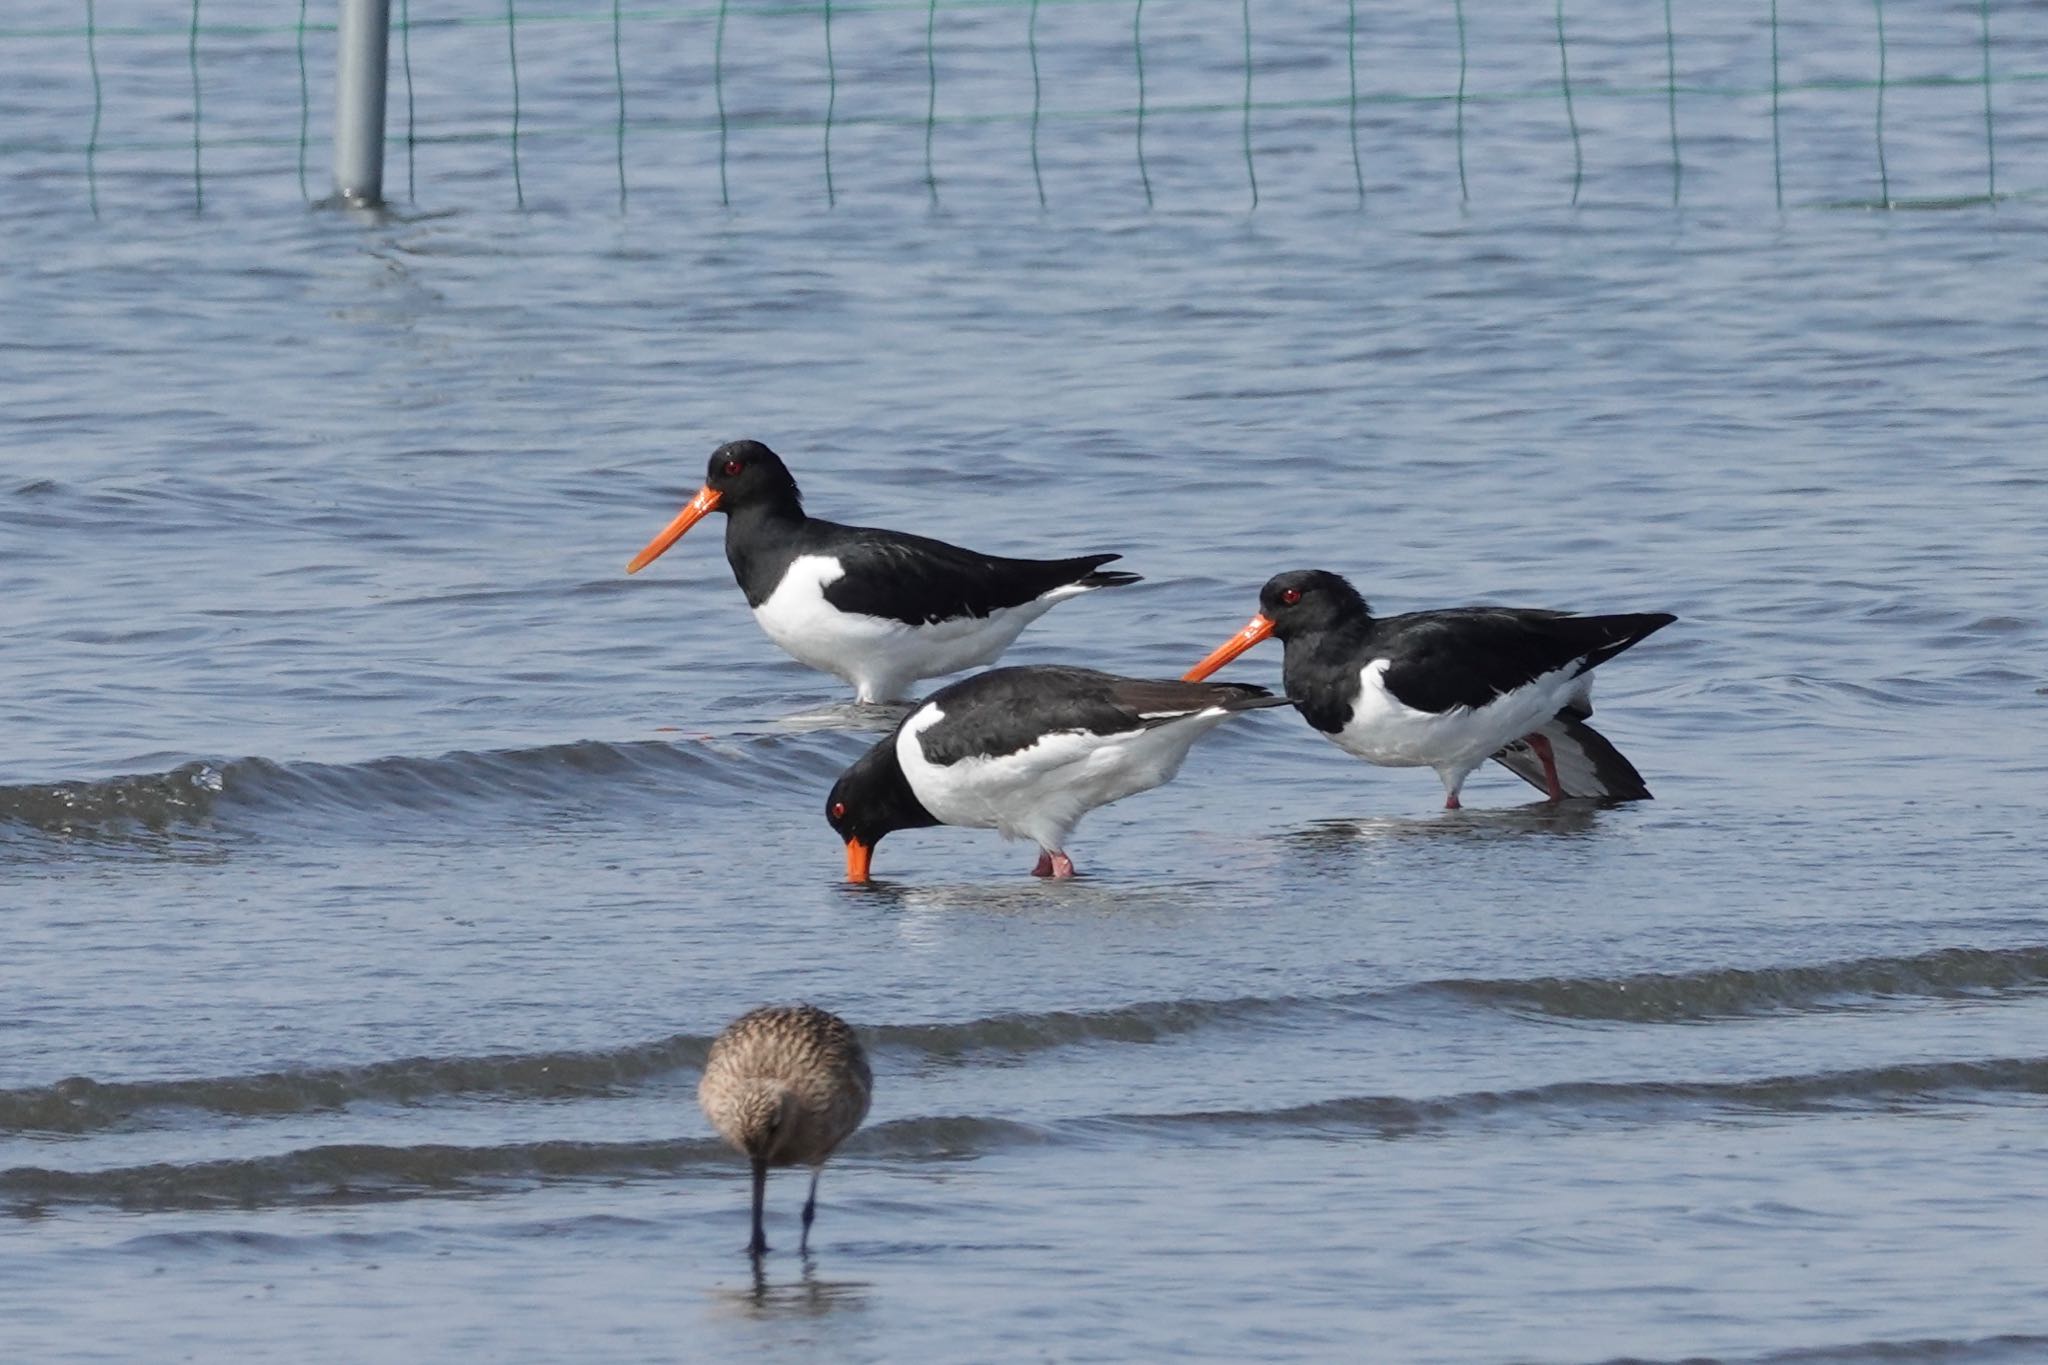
x=1449, y=689
x=880, y=609
x=1026, y=751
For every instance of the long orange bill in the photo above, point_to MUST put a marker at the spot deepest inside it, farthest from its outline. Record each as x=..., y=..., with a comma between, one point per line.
x=693, y=512
x=1255, y=630
x=857, y=855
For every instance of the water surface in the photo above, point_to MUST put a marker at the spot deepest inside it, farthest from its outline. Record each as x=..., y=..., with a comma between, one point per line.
x=377, y=860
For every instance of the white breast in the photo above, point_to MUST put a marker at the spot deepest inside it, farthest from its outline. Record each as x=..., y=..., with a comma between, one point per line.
x=1041, y=792
x=1388, y=732
x=881, y=657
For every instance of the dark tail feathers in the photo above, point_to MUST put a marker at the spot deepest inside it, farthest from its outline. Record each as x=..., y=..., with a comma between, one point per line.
x=1248, y=697
x=1588, y=765
x=1162, y=701
x=1091, y=574
x=1621, y=632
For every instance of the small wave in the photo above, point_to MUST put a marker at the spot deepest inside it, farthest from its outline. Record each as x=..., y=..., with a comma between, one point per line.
x=1657, y=997
x=153, y=801
x=1394, y=1116
x=358, y=1173
x=81, y=1105
x=347, y=1174
x=1146, y=1022
x=538, y=773
x=2014, y=1347
x=410, y=784
x=197, y=792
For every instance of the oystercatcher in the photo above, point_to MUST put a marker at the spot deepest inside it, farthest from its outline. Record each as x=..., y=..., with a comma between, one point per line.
x=784, y=1086
x=1449, y=689
x=880, y=609
x=1027, y=751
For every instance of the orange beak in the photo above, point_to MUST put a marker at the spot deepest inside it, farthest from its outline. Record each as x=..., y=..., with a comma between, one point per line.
x=693, y=512
x=857, y=855
x=1255, y=630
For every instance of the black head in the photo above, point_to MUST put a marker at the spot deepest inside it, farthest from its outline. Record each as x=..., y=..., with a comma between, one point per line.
x=749, y=474
x=742, y=475
x=1304, y=601
x=1294, y=605
x=872, y=798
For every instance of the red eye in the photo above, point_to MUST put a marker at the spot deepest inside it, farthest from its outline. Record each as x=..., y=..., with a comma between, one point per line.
x=1290, y=595
x=733, y=467
x=838, y=810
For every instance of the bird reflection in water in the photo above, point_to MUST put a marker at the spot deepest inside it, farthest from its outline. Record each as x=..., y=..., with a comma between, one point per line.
x=806, y=1296
x=1079, y=896
x=875, y=717
x=1569, y=818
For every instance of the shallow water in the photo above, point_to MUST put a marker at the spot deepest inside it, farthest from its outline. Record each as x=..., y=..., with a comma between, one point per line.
x=377, y=860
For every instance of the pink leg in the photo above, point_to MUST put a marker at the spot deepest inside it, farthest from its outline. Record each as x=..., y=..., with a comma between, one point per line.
x=1451, y=801
x=1541, y=745
x=1062, y=866
x=1045, y=865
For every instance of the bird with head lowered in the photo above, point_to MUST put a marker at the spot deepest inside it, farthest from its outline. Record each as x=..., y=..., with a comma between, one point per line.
x=1027, y=752
x=784, y=1085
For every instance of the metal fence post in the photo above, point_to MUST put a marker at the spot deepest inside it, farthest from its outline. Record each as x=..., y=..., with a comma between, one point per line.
x=364, y=36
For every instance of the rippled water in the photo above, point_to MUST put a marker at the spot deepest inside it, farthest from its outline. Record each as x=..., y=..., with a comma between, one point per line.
x=376, y=860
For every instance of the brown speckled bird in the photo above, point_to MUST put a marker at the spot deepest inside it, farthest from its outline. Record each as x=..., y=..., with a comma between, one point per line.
x=785, y=1085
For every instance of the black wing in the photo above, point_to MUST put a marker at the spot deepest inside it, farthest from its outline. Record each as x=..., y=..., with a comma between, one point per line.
x=919, y=581
x=1006, y=710
x=1466, y=657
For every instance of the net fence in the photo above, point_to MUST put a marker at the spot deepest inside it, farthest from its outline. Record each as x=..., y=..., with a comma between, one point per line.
x=1171, y=103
